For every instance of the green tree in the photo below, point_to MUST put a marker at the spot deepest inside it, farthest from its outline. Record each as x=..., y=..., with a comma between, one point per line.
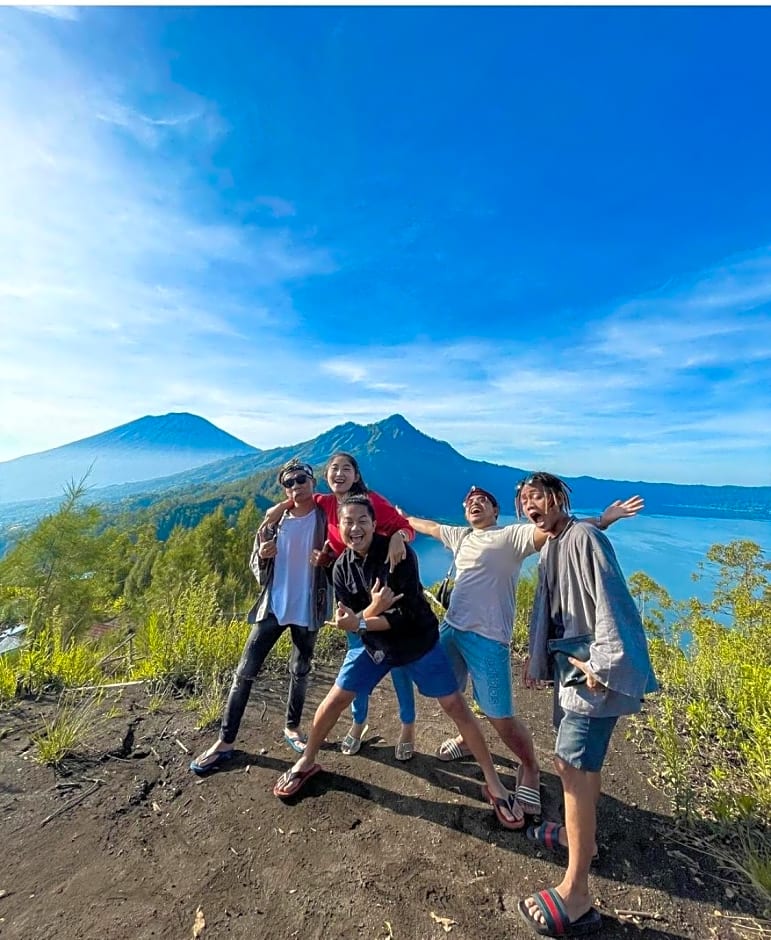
x=742, y=589
x=57, y=566
x=653, y=601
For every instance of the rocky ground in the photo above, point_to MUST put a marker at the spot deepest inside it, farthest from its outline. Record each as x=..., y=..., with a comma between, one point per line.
x=127, y=843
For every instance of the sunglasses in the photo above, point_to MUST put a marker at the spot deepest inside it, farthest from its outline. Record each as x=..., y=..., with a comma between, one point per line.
x=301, y=478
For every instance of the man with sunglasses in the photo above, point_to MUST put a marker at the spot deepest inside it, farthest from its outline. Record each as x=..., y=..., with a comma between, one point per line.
x=288, y=562
x=478, y=625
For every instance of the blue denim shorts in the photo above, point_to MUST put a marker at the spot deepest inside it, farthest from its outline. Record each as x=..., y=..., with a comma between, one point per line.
x=489, y=665
x=582, y=741
x=432, y=673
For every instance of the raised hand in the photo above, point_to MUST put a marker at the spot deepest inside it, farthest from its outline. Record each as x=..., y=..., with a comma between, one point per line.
x=345, y=618
x=592, y=682
x=621, y=510
x=396, y=550
x=382, y=598
x=324, y=556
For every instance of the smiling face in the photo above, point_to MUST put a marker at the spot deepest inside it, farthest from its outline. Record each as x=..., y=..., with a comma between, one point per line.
x=341, y=475
x=480, y=511
x=357, y=527
x=543, y=509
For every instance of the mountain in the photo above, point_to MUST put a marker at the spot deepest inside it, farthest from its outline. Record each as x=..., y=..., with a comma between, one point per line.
x=145, y=449
x=425, y=476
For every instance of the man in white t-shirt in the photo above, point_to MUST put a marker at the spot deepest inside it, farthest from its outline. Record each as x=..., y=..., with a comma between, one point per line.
x=296, y=596
x=477, y=627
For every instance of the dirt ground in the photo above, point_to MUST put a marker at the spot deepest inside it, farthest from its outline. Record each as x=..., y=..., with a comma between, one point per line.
x=127, y=843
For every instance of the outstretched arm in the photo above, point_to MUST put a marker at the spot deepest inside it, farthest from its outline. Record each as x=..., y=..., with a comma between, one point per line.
x=617, y=510
x=424, y=526
x=620, y=510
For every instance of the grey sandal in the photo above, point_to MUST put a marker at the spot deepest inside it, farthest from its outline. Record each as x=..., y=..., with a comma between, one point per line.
x=351, y=745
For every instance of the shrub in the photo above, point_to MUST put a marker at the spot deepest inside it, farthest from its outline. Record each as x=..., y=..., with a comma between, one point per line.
x=70, y=731
x=188, y=642
x=49, y=661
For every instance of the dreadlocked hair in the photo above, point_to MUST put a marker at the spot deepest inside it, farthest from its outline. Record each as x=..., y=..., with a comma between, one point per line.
x=556, y=490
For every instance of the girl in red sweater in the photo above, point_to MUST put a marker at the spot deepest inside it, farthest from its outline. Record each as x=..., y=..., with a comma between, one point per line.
x=344, y=479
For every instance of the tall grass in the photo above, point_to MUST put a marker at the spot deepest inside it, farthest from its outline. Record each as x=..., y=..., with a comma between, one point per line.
x=74, y=724
x=188, y=642
x=711, y=723
x=49, y=661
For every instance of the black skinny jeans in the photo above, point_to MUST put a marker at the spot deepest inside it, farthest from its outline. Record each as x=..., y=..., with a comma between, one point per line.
x=262, y=639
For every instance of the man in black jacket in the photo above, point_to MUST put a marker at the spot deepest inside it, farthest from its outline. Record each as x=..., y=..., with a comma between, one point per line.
x=397, y=628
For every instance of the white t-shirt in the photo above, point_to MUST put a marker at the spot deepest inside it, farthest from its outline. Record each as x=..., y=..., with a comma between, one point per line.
x=290, y=591
x=486, y=571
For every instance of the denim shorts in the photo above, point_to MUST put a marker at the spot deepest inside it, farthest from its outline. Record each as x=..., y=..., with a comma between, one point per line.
x=489, y=665
x=432, y=673
x=582, y=741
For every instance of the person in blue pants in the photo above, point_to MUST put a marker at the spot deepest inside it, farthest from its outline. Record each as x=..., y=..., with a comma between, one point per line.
x=405, y=695
x=344, y=479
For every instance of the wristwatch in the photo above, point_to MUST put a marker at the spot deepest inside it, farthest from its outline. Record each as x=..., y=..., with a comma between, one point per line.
x=362, y=628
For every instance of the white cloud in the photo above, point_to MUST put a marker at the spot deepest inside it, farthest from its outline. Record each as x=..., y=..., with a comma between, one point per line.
x=110, y=276
x=117, y=277
x=54, y=12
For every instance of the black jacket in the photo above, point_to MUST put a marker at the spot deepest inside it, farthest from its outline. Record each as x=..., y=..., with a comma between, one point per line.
x=414, y=628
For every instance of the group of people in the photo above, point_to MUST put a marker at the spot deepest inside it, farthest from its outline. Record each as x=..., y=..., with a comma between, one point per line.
x=346, y=556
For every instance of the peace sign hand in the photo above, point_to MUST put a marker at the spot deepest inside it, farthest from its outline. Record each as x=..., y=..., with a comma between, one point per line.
x=592, y=682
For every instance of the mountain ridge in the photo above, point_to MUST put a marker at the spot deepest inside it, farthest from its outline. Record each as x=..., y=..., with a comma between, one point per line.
x=148, y=448
x=425, y=475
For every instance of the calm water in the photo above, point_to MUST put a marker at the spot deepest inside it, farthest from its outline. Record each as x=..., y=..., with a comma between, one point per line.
x=668, y=548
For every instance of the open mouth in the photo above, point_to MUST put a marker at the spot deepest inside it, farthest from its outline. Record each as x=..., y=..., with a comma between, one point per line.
x=535, y=517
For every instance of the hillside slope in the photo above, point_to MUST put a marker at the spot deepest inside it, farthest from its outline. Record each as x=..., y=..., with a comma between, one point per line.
x=426, y=476
x=144, y=449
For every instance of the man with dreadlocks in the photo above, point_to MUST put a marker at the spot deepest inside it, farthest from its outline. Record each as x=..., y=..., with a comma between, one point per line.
x=477, y=627
x=587, y=635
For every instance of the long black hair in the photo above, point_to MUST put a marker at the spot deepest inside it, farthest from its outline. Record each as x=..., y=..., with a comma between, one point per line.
x=556, y=489
x=358, y=487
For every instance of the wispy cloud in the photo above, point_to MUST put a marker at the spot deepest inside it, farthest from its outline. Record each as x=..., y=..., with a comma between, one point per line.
x=129, y=287
x=54, y=12
x=114, y=280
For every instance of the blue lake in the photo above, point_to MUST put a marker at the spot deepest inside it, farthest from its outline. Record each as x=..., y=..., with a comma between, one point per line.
x=667, y=548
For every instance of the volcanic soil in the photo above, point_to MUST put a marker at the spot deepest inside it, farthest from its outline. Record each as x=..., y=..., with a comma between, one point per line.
x=125, y=843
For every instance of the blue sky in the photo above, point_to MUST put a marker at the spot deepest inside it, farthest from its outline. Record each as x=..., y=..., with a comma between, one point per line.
x=541, y=234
